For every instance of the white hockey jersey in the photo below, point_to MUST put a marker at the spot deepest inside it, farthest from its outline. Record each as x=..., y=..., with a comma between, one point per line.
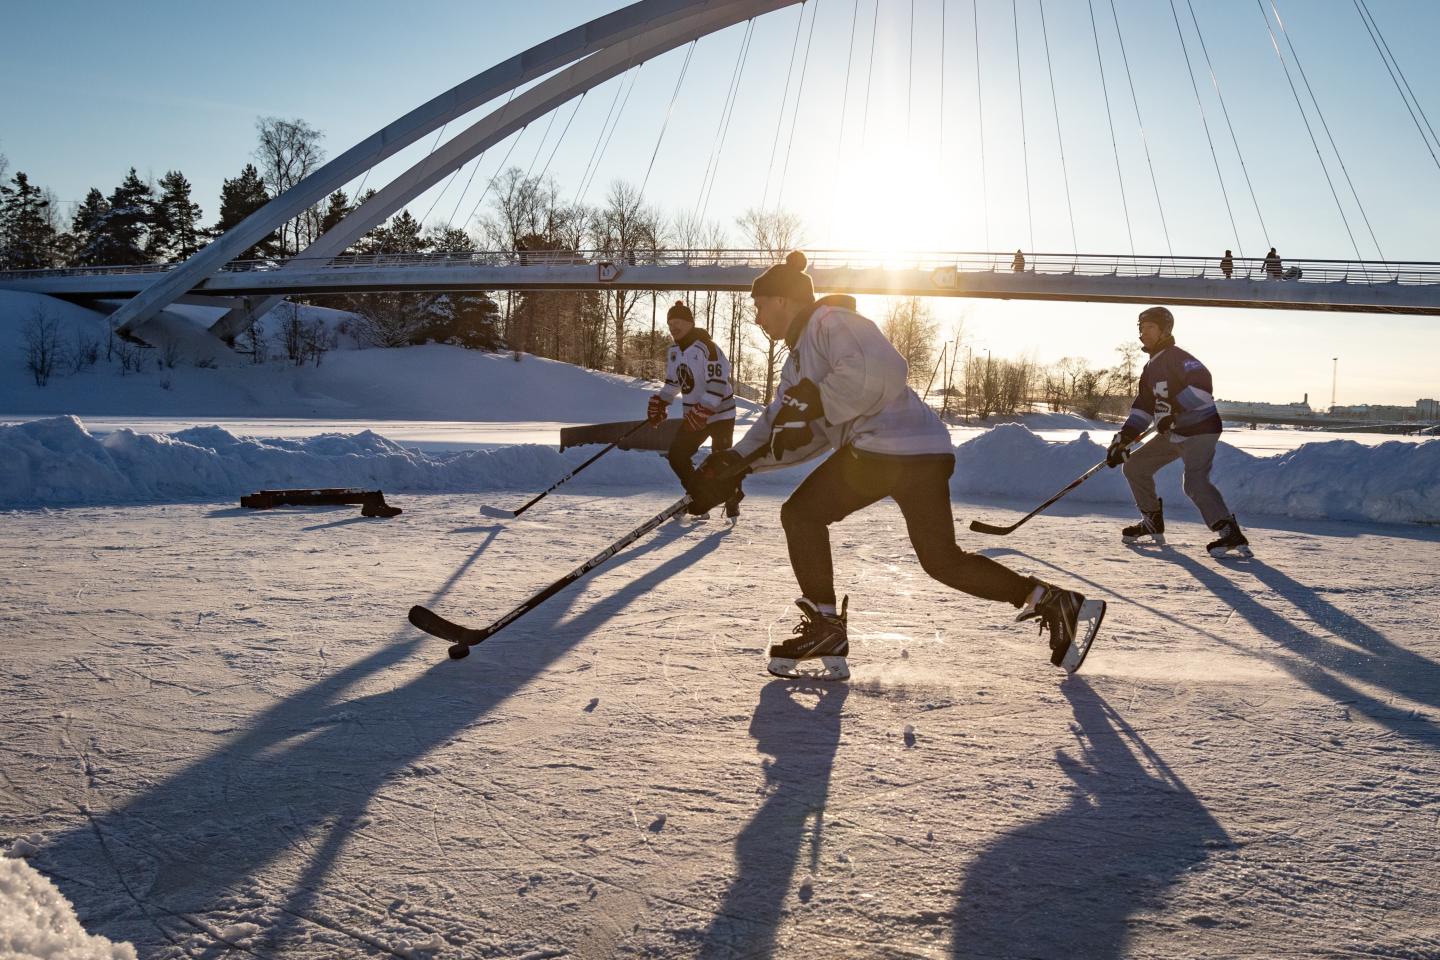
x=696, y=371
x=864, y=389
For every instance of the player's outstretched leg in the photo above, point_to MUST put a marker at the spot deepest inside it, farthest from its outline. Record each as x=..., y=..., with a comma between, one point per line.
x=1231, y=543
x=1151, y=525
x=1071, y=620
x=817, y=648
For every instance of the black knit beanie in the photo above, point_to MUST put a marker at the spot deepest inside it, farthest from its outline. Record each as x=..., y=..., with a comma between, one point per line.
x=680, y=312
x=787, y=279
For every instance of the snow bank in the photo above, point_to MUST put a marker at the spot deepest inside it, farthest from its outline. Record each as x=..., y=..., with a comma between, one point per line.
x=58, y=462
x=36, y=921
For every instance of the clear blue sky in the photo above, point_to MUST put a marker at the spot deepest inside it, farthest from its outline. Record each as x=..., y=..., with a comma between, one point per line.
x=94, y=88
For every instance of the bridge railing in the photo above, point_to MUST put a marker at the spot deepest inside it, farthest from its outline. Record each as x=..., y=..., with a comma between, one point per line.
x=1044, y=264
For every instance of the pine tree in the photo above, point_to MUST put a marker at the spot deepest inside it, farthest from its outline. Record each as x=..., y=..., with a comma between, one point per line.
x=119, y=236
x=83, y=227
x=336, y=209
x=239, y=198
x=176, y=234
x=27, y=240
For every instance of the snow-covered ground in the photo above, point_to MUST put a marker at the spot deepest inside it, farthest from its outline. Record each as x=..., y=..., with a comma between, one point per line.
x=222, y=737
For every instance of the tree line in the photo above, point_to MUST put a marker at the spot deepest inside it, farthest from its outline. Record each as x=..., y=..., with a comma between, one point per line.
x=526, y=218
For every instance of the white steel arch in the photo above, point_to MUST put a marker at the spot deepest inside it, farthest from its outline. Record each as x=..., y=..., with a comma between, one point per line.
x=645, y=18
x=501, y=123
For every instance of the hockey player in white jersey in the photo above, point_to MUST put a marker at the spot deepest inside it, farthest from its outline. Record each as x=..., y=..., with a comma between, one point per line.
x=697, y=372
x=844, y=388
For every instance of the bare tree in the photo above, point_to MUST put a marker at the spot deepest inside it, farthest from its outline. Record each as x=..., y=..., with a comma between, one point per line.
x=42, y=345
x=627, y=230
x=910, y=327
x=775, y=233
x=289, y=151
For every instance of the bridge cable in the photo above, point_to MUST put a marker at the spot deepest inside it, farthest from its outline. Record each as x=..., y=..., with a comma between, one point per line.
x=910, y=75
x=561, y=139
x=1326, y=127
x=1190, y=71
x=1215, y=81
x=869, y=75
x=784, y=98
x=544, y=137
x=980, y=108
x=474, y=170
x=1130, y=78
x=799, y=98
x=605, y=147
x=679, y=81
x=1379, y=39
x=1313, y=142
x=1064, y=169
x=1024, y=145
x=429, y=154
x=1124, y=205
x=498, y=170
x=712, y=162
x=940, y=160
x=604, y=125
x=844, y=109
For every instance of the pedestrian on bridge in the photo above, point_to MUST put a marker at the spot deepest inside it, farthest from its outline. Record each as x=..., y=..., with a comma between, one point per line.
x=1227, y=265
x=1274, y=269
x=1018, y=264
x=844, y=388
x=697, y=372
x=1175, y=393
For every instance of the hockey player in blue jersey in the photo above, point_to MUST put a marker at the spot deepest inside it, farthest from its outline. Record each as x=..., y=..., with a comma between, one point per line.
x=1175, y=392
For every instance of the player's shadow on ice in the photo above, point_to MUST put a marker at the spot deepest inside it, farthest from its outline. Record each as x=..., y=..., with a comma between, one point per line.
x=300, y=778
x=1068, y=885
x=796, y=724
x=1328, y=665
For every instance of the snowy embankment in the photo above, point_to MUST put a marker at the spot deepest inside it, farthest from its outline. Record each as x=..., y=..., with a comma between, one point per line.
x=57, y=462
x=36, y=921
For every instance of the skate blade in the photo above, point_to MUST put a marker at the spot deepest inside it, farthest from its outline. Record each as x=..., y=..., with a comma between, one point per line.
x=819, y=668
x=1087, y=625
x=1236, y=553
x=1156, y=538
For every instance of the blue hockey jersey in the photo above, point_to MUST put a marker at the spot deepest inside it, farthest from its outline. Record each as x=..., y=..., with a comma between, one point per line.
x=1174, y=384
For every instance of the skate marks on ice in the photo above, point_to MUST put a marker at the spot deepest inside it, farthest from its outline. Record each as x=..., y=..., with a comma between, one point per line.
x=1076, y=882
x=797, y=725
x=267, y=831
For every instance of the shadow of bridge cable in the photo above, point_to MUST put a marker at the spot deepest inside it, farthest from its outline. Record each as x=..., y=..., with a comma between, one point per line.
x=1068, y=884
x=299, y=778
x=802, y=739
x=1328, y=667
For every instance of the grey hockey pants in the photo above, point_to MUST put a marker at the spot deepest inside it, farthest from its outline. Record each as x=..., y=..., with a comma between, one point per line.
x=1198, y=453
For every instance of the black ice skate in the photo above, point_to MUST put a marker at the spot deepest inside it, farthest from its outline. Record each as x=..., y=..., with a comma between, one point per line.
x=1072, y=621
x=817, y=648
x=1232, y=542
x=1152, y=525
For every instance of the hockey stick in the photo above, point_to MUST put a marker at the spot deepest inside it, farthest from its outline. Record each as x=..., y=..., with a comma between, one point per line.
x=463, y=638
x=980, y=526
x=512, y=514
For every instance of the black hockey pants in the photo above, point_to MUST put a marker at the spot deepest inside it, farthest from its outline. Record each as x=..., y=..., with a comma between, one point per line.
x=681, y=454
x=920, y=486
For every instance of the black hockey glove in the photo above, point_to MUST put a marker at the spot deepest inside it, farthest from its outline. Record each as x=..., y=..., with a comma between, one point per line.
x=1165, y=424
x=1118, y=452
x=798, y=406
x=716, y=481
x=656, y=410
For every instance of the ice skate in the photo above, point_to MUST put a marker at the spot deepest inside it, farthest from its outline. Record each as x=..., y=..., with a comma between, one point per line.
x=1232, y=542
x=1071, y=620
x=817, y=648
x=1150, y=529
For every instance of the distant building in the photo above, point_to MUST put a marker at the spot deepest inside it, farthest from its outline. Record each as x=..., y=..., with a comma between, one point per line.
x=1428, y=409
x=1255, y=408
x=1376, y=411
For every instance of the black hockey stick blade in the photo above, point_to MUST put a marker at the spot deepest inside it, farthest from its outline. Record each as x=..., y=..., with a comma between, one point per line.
x=462, y=637
x=980, y=526
x=496, y=513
